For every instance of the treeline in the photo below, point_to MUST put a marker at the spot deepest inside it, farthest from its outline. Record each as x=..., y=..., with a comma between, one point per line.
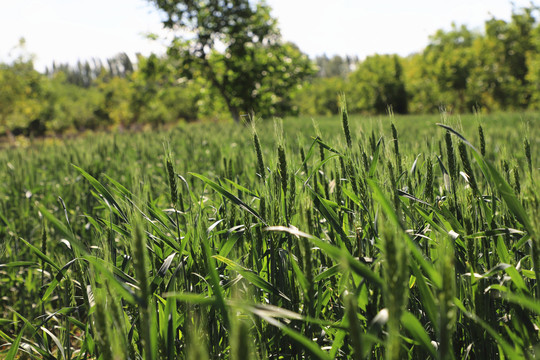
x=497, y=69
x=84, y=74
x=93, y=94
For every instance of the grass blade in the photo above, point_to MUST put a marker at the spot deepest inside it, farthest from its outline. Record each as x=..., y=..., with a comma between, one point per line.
x=374, y=162
x=102, y=190
x=235, y=200
x=417, y=254
x=15, y=345
x=336, y=253
x=312, y=347
x=41, y=255
x=251, y=277
x=508, y=349
x=415, y=328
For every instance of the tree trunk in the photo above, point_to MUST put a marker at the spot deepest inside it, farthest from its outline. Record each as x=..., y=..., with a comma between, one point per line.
x=233, y=110
x=9, y=134
x=235, y=113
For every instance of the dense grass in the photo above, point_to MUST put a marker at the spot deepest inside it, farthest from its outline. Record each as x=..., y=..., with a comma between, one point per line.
x=283, y=240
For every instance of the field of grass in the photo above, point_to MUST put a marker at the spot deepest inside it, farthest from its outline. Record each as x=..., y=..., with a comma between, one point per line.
x=362, y=238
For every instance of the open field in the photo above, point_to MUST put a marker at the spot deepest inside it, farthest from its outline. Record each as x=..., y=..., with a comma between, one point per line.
x=382, y=237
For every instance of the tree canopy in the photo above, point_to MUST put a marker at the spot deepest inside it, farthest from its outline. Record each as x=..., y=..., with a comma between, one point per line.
x=237, y=47
x=233, y=61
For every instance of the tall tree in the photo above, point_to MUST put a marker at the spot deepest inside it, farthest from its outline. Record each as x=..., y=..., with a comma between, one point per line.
x=335, y=66
x=236, y=45
x=447, y=62
x=378, y=83
x=21, y=87
x=503, y=53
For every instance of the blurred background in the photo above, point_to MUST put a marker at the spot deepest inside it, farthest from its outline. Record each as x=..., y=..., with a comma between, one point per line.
x=72, y=66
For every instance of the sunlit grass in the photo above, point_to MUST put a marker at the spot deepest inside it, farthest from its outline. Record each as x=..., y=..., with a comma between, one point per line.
x=364, y=240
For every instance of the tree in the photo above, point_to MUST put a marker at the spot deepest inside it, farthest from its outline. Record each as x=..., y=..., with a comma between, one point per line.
x=533, y=66
x=157, y=97
x=443, y=73
x=237, y=47
x=377, y=84
x=503, y=54
x=21, y=88
x=336, y=66
x=320, y=96
x=70, y=107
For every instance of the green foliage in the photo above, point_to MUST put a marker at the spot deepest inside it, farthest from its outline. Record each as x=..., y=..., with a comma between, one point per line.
x=459, y=71
x=21, y=93
x=83, y=97
x=336, y=66
x=378, y=83
x=70, y=107
x=319, y=96
x=253, y=70
x=445, y=66
x=235, y=63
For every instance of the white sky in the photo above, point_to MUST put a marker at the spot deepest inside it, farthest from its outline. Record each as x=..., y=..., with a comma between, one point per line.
x=68, y=30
